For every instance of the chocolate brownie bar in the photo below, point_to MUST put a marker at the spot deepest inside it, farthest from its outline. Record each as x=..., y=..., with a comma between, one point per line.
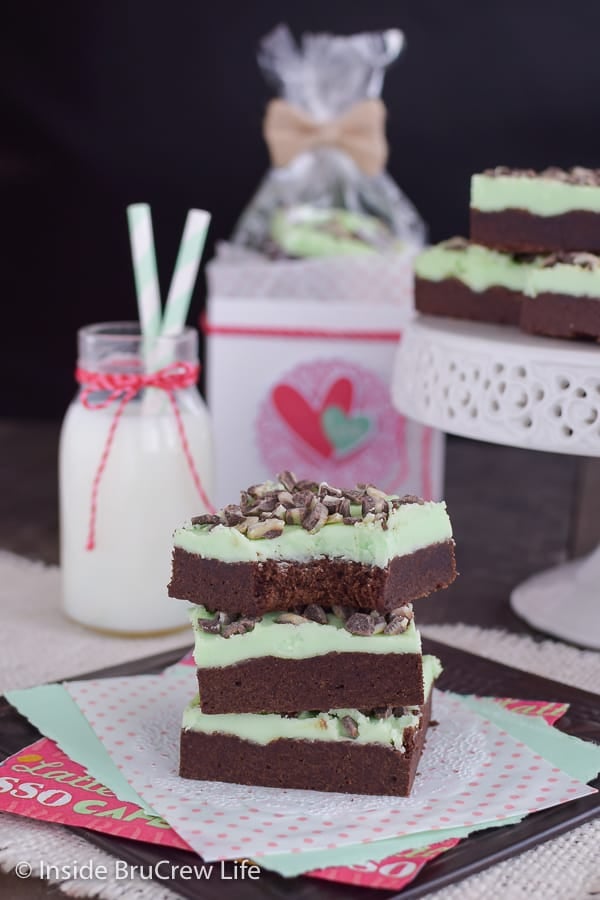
x=310, y=659
x=291, y=543
x=344, y=750
x=564, y=297
x=463, y=280
x=522, y=211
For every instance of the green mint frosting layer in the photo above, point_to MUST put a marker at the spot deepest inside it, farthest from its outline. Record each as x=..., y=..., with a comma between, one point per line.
x=308, y=231
x=286, y=641
x=262, y=728
x=410, y=527
x=564, y=278
x=541, y=196
x=480, y=268
x=476, y=266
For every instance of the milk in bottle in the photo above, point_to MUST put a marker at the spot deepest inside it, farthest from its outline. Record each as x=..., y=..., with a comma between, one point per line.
x=145, y=491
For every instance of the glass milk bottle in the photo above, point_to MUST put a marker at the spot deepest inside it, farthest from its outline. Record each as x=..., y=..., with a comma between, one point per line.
x=132, y=470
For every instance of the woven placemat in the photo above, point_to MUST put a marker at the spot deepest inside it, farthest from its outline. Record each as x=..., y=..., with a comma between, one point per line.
x=39, y=645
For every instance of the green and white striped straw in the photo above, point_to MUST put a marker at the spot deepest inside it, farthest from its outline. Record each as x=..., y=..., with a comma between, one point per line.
x=145, y=272
x=153, y=324
x=185, y=272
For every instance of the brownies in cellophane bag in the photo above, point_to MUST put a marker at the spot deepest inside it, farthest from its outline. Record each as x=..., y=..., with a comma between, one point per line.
x=308, y=300
x=327, y=192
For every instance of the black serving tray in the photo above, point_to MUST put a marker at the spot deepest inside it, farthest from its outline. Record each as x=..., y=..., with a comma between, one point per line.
x=464, y=673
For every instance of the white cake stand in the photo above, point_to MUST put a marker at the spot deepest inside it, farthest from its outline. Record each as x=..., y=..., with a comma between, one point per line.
x=495, y=383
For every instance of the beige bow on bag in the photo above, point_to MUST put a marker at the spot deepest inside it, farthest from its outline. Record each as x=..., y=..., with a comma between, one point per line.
x=359, y=132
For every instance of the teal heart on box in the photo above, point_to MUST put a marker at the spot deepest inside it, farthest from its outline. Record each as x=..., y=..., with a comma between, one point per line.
x=345, y=432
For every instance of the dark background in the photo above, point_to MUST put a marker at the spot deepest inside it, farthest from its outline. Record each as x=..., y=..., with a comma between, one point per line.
x=103, y=104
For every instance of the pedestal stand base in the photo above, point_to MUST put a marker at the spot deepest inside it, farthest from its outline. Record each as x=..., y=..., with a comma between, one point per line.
x=564, y=601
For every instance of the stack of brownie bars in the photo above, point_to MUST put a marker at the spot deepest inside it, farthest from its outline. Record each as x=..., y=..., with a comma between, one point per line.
x=531, y=260
x=310, y=668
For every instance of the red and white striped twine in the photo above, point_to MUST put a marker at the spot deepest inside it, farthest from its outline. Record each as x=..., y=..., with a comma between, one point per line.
x=122, y=388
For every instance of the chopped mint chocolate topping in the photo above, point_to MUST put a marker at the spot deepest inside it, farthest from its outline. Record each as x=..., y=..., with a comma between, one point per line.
x=406, y=610
x=316, y=613
x=291, y=618
x=349, y=727
x=206, y=520
x=226, y=626
x=265, y=528
x=315, y=517
x=361, y=622
x=456, y=243
x=576, y=175
x=408, y=498
x=212, y=626
x=265, y=509
x=379, y=622
x=397, y=625
x=381, y=712
x=348, y=724
x=240, y=626
x=288, y=480
x=574, y=258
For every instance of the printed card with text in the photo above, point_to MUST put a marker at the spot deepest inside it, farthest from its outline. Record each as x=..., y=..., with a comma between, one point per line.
x=41, y=782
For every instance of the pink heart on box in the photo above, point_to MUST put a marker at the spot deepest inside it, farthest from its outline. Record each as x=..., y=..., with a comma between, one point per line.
x=306, y=421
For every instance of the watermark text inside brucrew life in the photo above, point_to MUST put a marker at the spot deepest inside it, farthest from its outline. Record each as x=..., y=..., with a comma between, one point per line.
x=121, y=870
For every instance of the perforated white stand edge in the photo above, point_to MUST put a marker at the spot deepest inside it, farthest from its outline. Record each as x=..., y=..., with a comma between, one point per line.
x=495, y=383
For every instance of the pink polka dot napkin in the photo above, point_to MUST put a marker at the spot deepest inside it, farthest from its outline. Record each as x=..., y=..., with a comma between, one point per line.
x=471, y=773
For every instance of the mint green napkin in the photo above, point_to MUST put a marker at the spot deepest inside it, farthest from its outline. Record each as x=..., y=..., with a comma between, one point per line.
x=290, y=864
x=52, y=710
x=580, y=759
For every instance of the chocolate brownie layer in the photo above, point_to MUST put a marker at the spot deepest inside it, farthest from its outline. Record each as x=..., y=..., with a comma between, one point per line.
x=331, y=681
x=452, y=297
x=519, y=231
x=561, y=315
x=258, y=587
x=341, y=766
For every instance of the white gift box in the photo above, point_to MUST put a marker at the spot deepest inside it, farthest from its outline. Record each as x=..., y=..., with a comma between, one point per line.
x=299, y=361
